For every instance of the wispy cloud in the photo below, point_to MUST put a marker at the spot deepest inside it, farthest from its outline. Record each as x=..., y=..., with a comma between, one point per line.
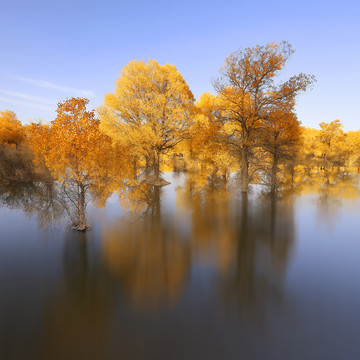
x=27, y=97
x=31, y=104
x=48, y=85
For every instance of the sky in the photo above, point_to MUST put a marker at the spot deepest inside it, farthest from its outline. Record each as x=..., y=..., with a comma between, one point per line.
x=53, y=50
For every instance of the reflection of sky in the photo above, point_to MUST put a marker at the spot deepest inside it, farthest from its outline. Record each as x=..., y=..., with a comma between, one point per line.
x=322, y=278
x=327, y=249
x=16, y=226
x=53, y=50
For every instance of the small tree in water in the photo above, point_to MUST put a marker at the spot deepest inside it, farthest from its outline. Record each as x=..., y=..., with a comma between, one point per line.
x=76, y=153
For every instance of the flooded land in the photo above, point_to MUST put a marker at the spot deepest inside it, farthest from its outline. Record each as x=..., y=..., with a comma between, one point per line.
x=196, y=269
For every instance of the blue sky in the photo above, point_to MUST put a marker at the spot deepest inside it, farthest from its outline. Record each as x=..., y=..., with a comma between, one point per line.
x=51, y=50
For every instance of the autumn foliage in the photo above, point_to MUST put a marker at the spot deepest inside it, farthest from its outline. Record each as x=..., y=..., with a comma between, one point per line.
x=11, y=131
x=74, y=150
x=150, y=111
x=152, y=123
x=253, y=101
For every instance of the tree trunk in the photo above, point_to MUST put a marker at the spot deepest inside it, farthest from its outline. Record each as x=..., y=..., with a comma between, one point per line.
x=135, y=168
x=244, y=172
x=156, y=166
x=273, y=175
x=224, y=181
x=156, y=202
x=81, y=216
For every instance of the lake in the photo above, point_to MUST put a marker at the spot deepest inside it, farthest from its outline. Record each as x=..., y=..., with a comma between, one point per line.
x=192, y=270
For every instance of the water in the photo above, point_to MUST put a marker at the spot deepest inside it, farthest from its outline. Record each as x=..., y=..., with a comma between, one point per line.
x=190, y=272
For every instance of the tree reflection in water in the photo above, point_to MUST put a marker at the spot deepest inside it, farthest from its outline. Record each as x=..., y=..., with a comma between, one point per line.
x=39, y=199
x=49, y=202
x=248, y=240
x=147, y=252
x=150, y=254
x=264, y=241
x=78, y=317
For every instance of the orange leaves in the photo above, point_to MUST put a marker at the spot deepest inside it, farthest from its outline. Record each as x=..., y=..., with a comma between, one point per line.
x=281, y=134
x=255, y=67
x=332, y=141
x=247, y=81
x=11, y=131
x=331, y=132
x=39, y=139
x=72, y=147
x=255, y=106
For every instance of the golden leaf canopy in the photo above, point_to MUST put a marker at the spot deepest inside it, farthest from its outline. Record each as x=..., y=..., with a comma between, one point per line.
x=150, y=109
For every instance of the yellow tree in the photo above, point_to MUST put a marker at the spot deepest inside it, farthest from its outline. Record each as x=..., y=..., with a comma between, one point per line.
x=76, y=153
x=281, y=139
x=353, y=141
x=38, y=135
x=310, y=154
x=208, y=141
x=248, y=88
x=332, y=140
x=149, y=112
x=10, y=128
x=15, y=158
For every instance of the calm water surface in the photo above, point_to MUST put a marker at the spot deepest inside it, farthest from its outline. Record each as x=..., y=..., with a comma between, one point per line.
x=193, y=271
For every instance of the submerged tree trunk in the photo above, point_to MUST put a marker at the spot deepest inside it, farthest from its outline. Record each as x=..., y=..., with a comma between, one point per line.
x=292, y=173
x=244, y=172
x=135, y=168
x=272, y=217
x=81, y=218
x=156, y=203
x=155, y=179
x=156, y=166
x=273, y=175
x=224, y=180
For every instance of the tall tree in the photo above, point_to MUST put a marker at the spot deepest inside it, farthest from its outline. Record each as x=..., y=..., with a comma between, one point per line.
x=248, y=88
x=150, y=111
